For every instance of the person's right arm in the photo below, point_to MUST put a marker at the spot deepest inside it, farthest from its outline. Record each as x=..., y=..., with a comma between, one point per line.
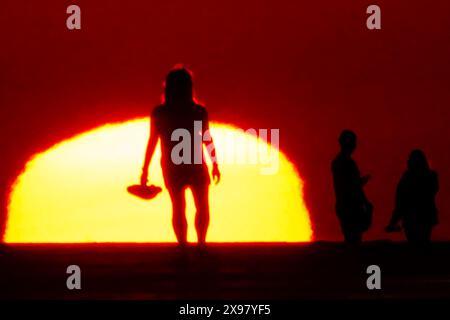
x=151, y=146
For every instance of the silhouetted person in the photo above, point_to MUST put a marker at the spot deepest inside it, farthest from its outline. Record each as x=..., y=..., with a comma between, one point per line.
x=179, y=111
x=353, y=209
x=415, y=200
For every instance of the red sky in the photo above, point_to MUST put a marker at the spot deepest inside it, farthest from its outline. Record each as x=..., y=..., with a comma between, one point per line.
x=308, y=68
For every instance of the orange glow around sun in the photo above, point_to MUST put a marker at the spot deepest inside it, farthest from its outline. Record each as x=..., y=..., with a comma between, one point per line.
x=76, y=192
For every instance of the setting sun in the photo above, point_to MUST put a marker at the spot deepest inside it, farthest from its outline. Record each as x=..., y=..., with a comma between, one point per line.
x=76, y=192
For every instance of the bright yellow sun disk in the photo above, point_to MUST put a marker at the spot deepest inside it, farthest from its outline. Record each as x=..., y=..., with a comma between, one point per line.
x=76, y=192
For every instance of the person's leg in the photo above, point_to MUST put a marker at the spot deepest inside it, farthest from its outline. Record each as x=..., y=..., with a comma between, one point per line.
x=351, y=234
x=353, y=237
x=427, y=234
x=412, y=233
x=201, y=199
x=424, y=235
x=357, y=237
x=179, y=222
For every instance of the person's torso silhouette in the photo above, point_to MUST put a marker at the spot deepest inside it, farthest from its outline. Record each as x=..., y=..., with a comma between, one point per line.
x=192, y=170
x=415, y=200
x=352, y=206
x=347, y=185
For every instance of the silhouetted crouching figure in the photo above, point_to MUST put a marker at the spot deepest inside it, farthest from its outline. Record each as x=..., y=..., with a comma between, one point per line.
x=353, y=209
x=169, y=121
x=415, y=203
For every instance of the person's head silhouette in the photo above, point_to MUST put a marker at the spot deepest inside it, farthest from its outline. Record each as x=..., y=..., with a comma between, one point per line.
x=347, y=141
x=417, y=161
x=178, y=87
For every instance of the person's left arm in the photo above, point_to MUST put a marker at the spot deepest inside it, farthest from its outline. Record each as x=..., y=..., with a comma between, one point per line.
x=211, y=149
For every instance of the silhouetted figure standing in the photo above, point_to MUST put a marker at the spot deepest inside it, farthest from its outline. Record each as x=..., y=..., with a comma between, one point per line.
x=415, y=200
x=352, y=207
x=178, y=114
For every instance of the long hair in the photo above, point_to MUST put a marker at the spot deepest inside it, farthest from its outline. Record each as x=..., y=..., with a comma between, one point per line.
x=347, y=140
x=417, y=161
x=178, y=88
